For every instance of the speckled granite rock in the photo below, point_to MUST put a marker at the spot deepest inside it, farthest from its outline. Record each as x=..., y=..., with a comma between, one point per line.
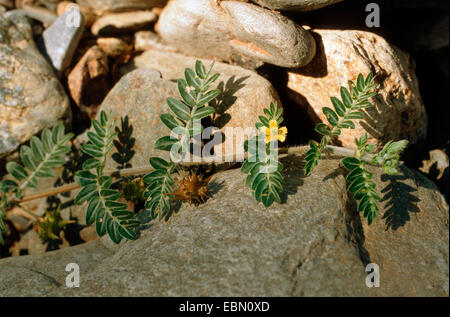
x=226, y=29
x=399, y=112
x=29, y=90
x=311, y=245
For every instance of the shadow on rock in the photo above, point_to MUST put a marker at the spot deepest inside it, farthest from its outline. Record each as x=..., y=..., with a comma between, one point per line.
x=293, y=175
x=401, y=201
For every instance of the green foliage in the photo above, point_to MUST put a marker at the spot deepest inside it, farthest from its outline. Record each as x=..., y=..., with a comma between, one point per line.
x=360, y=179
x=362, y=186
x=161, y=184
x=109, y=215
x=195, y=94
x=184, y=120
x=39, y=159
x=262, y=166
x=346, y=109
x=389, y=157
x=353, y=100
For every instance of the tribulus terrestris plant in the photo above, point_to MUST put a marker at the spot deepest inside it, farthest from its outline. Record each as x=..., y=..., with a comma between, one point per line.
x=38, y=160
x=354, y=100
x=170, y=180
x=184, y=120
x=262, y=165
x=110, y=215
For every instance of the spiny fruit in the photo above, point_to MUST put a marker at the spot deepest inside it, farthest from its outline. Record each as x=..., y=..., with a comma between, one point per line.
x=192, y=188
x=50, y=226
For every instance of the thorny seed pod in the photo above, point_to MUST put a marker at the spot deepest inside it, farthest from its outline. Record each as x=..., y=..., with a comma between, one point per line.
x=133, y=190
x=192, y=188
x=50, y=226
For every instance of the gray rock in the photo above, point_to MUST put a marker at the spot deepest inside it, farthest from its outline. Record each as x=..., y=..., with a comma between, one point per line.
x=295, y=5
x=44, y=276
x=60, y=40
x=101, y=6
x=244, y=96
x=31, y=97
x=228, y=29
x=313, y=244
x=122, y=22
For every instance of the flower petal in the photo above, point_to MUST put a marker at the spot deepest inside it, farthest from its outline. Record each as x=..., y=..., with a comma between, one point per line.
x=273, y=124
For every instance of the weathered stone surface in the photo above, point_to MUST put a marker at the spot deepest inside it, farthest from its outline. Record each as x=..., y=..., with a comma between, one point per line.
x=295, y=5
x=313, y=244
x=122, y=22
x=60, y=40
x=244, y=96
x=42, y=277
x=146, y=40
x=399, y=112
x=101, y=6
x=29, y=90
x=227, y=29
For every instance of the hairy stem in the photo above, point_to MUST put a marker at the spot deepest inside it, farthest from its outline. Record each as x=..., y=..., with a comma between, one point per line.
x=147, y=169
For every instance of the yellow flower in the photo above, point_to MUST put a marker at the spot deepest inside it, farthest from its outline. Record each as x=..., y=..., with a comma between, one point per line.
x=274, y=132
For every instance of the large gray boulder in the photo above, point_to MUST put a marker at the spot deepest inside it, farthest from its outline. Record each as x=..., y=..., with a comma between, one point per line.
x=313, y=244
x=31, y=97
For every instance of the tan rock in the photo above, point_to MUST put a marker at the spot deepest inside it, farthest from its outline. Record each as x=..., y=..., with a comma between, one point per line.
x=7, y=4
x=438, y=161
x=120, y=22
x=226, y=29
x=399, y=112
x=87, y=12
x=19, y=218
x=145, y=40
x=88, y=81
x=113, y=46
